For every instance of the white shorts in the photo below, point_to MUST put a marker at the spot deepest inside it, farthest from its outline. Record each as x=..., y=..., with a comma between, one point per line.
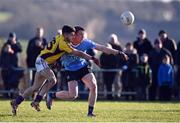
x=40, y=64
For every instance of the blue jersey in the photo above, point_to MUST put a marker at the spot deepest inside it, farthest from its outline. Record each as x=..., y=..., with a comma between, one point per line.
x=165, y=75
x=74, y=63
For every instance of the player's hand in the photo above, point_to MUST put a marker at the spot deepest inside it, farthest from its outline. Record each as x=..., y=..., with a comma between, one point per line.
x=96, y=61
x=124, y=56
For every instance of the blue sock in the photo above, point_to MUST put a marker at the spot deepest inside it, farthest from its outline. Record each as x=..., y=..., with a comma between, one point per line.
x=19, y=99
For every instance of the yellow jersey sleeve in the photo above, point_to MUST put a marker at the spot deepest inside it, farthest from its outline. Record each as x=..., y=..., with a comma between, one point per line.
x=64, y=46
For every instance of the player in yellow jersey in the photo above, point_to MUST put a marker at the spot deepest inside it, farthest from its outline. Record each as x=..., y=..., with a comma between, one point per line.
x=44, y=77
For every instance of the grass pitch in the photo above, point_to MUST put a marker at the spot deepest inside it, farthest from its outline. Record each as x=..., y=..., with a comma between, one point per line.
x=5, y=16
x=75, y=111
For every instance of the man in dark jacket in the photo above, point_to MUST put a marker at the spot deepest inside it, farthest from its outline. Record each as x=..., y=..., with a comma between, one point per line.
x=16, y=47
x=127, y=72
x=155, y=59
x=11, y=73
x=168, y=43
x=109, y=61
x=142, y=44
x=35, y=45
x=177, y=77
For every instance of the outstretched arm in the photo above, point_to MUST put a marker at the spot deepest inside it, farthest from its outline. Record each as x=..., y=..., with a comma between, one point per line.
x=106, y=49
x=111, y=51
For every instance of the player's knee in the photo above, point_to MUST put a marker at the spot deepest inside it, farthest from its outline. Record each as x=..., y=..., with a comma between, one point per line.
x=93, y=87
x=73, y=96
x=53, y=80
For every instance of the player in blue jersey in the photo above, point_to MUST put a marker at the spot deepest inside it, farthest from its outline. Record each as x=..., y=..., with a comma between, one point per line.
x=77, y=69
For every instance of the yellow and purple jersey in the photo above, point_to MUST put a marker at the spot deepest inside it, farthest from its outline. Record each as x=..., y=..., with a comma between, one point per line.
x=55, y=49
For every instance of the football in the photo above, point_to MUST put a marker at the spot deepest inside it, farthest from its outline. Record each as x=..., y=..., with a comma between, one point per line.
x=127, y=18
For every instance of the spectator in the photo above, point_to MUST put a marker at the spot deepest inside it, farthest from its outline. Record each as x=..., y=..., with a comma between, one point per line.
x=113, y=41
x=115, y=44
x=165, y=79
x=168, y=43
x=108, y=62
x=143, y=76
x=11, y=72
x=127, y=74
x=177, y=84
x=142, y=44
x=35, y=45
x=155, y=59
x=120, y=62
x=111, y=62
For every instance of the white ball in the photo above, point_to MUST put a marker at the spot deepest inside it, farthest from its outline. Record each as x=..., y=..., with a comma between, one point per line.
x=127, y=18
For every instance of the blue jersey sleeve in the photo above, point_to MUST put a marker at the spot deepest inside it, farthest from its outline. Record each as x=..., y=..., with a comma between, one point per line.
x=91, y=44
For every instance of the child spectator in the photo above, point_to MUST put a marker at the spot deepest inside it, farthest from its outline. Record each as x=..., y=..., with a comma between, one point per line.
x=143, y=77
x=165, y=79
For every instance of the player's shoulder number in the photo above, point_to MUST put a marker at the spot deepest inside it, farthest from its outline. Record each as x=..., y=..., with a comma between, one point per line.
x=50, y=44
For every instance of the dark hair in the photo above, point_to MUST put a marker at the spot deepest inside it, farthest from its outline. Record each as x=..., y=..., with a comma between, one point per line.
x=67, y=29
x=157, y=41
x=129, y=44
x=161, y=32
x=12, y=34
x=39, y=28
x=79, y=28
x=142, y=31
x=165, y=56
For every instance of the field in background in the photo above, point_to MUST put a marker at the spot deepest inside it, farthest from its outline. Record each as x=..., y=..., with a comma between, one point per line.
x=64, y=111
x=4, y=16
x=22, y=56
x=24, y=17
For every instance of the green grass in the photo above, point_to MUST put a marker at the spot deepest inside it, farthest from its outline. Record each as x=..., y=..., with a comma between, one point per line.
x=4, y=16
x=75, y=111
